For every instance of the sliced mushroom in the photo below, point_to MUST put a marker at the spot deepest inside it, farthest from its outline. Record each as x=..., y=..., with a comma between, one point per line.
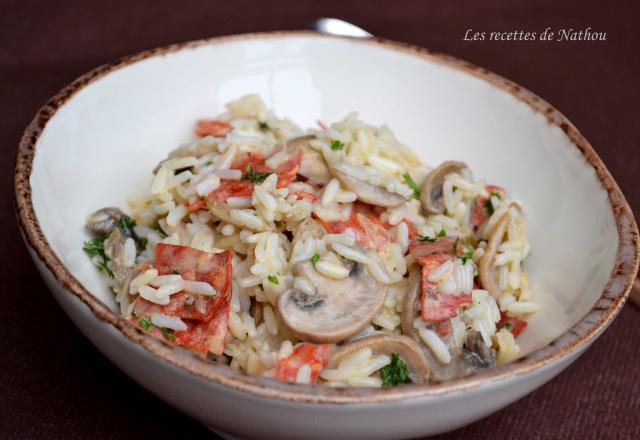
x=388, y=344
x=308, y=228
x=222, y=212
x=104, y=220
x=463, y=361
x=477, y=355
x=366, y=192
x=431, y=198
x=411, y=304
x=114, y=249
x=312, y=165
x=339, y=308
x=124, y=297
x=487, y=272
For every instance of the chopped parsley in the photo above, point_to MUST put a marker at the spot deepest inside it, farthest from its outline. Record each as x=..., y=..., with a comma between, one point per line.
x=337, y=145
x=426, y=239
x=126, y=224
x=395, y=373
x=263, y=125
x=254, y=176
x=315, y=258
x=146, y=324
x=412, y=183
x=95, y=248
x=442, y=233
x=142, y=243
x=273, y=279
x=167, y=333
x=207, y=163
x=467, y=251
x=507, y=325
x=488, y=206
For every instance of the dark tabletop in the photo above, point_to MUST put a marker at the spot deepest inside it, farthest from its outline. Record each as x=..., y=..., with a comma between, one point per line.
x=54, y=384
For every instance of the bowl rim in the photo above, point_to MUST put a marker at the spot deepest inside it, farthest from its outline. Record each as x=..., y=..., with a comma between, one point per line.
x=572, y=341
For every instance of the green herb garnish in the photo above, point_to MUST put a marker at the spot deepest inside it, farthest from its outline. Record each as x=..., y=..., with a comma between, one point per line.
x=126, y=224
x=207, y=163
x=337, y=145
x=442, y=233
x=395, y=373
x=95, y=248
x=263, y=125
x=167, y=333
x=145, y=323
x=412, y=183
x=142, y=243
x=467, y=251
x=315, y=258
x=426, y=239
x=488, y=206
x=507, y=325
x=273, y=279
x=254, y=176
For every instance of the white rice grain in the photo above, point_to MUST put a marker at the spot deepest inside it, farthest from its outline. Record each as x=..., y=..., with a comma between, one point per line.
x=350, y=253
x=171, y=322
x=239, y=202
x=304, y=285
x=229, y=174
x=330, y=192
x=129, y=252
x=522, y=308
x=435, y=344
x=286, y=348
x=270, y=319
x=246, y=218
x=149, y=293
x=169, y=289
x=332, y=270
x=304, y=374
x=345, y=239
x=200, y=288
x=142, y=279
x=207, y=185
x=176, y=215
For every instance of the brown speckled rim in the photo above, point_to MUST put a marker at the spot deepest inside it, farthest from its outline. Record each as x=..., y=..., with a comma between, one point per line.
x=588, y=328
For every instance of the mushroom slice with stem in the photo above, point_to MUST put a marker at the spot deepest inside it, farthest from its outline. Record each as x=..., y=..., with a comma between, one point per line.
x=431, y=195
x=124, y=297
x=487, y=272
x=477, y=355
x=406, y=348
x=114, y=248
x=337, y=310
x=308, y=228
x=104, y=220
x=464, y=361
x=366, y=192
x=312, y=165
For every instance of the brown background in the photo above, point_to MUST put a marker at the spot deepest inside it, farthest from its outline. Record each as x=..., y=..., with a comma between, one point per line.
x=54, y=384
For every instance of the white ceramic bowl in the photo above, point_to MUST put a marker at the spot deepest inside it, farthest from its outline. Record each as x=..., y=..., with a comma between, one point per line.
x=97, y=140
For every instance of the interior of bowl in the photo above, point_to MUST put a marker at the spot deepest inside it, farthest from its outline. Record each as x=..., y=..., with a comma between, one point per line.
x=102, y=144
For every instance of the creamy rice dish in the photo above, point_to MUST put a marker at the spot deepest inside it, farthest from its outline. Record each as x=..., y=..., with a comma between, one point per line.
x=332, y=255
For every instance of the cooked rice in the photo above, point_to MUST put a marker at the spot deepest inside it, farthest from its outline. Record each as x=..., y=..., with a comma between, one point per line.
x=258, y=231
